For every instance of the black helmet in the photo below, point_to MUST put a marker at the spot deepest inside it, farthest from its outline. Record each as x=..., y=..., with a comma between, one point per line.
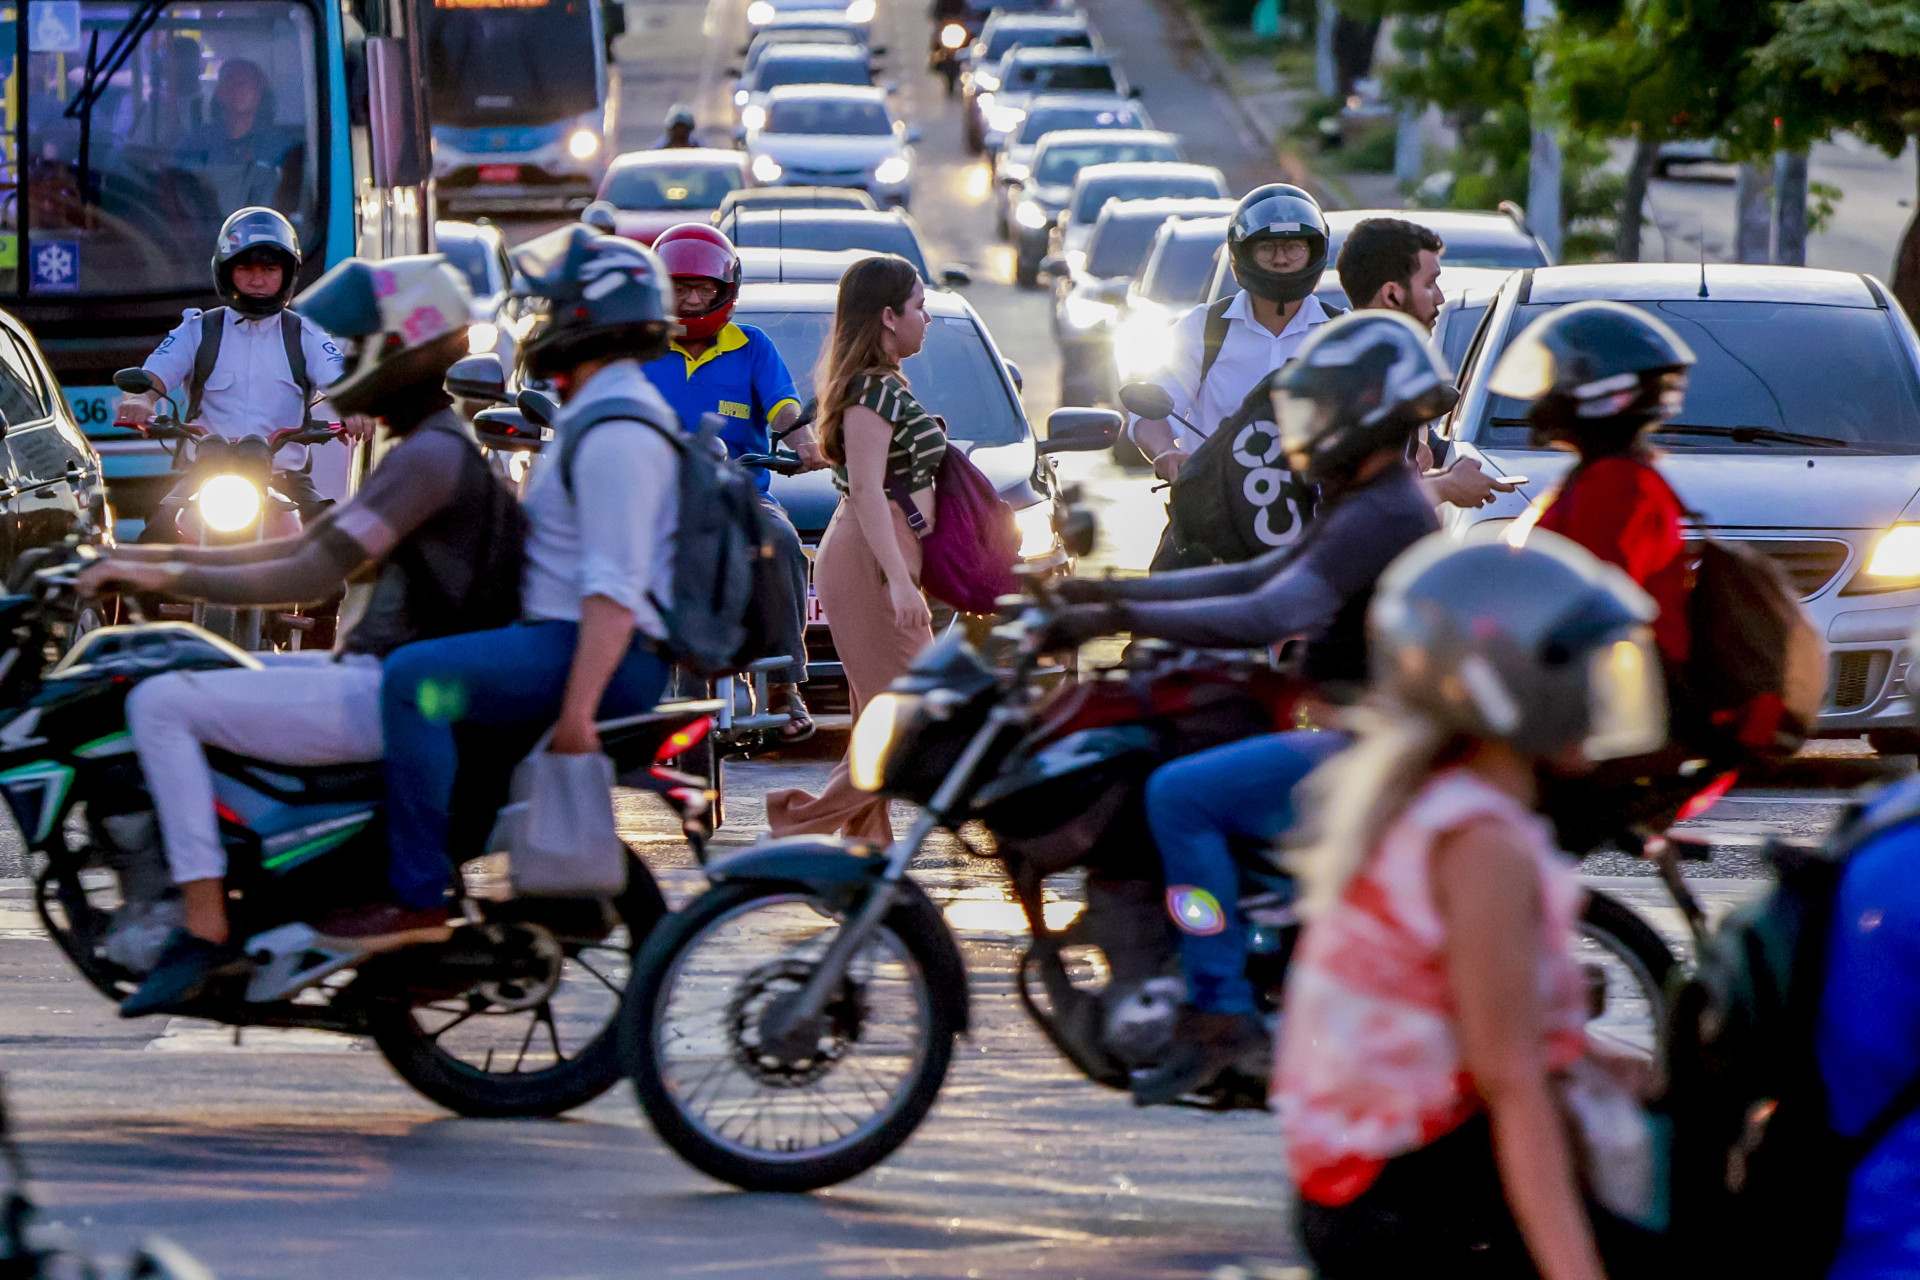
x=254, y=234
x=1541, y=645
x=603, y=294
x=1599, y=372
x=1358, y=384
x=403, y=322
x=680, y=113
x=1277, y=212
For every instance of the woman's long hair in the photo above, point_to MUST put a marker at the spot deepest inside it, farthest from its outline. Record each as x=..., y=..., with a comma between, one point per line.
x=857, y=344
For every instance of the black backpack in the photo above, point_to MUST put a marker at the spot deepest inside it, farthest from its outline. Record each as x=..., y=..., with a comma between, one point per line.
x=213, y=328
x=1759, y=1178
x=723, y=553
x=1757, y=668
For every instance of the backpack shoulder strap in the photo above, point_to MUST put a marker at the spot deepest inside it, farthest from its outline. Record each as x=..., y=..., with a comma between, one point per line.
x=290, y=338
x=608, y=411
x=1212, y=338
x=1333, y=309
x=213, y=327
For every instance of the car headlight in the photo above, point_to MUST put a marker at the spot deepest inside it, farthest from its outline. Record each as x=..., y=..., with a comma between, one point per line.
x=1014, y=172
x=952, y=36
x=874, y=733
x=753, y=117
x=740, y=97
x=583, y=143
x=984, y=83
x=1036, y=529
x=861, y=11
x=1894, y=563
x=893, y=169
x=482, y=336
x=767, y=169
x=1142, y=344
x=1030, y=215
x=228, y=503
x=759, y=13
x=1004, y=119
x=1083, y=312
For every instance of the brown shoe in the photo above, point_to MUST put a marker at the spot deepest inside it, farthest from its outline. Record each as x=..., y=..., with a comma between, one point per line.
x=383, y=926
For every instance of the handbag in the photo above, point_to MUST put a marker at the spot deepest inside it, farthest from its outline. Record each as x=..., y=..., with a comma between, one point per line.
x=967, y=559
x=557, y=828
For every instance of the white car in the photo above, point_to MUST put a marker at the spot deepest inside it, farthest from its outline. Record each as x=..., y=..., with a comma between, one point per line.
x=804, y=64
x=479, y=251
x=1057, y=113
x=762, y=12
x=832, y=136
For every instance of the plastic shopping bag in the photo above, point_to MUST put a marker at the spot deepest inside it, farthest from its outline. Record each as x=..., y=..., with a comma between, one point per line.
x=557, y=829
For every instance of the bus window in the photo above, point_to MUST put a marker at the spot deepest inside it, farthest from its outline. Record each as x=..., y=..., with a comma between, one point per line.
x=511, y=62
x=212, y=110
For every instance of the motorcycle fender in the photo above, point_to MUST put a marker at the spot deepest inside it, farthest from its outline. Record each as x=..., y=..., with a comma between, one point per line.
x=839, y=870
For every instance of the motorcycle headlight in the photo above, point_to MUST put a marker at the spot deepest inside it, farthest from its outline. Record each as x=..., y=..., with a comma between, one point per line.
x=1030, y=215
x=861, y=11
x=760, y=13
x=583, y=144
x=1036, y=529
x=767, y=169
x=893, y=169
x=228, y=503
x=880, y=724
x=482, y=336
x=1083, y=312
x=952, y=36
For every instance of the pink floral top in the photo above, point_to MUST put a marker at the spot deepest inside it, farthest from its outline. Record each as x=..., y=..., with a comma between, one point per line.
x=1368, y=1064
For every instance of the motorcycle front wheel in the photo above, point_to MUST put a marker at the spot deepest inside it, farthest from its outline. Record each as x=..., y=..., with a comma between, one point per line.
x=762, y=1120
x=1631, y=967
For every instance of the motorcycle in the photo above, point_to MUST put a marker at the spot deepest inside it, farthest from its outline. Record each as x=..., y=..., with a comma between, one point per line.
x=230, y=497
x=792, y=1026
x=512, y=1016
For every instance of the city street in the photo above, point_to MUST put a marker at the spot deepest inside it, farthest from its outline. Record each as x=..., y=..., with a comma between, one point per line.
x=298, y=1155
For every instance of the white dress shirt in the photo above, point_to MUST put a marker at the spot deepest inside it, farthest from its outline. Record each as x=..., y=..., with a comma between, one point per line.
x=1250, y=352
x=251, y=391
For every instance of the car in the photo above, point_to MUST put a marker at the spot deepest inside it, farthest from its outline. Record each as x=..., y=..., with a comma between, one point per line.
x=959, y=375
x=795, y=64
x=1057, y=113
x=479, y=252
x=1491, y=241
x=808, y=26
x=1688, y=151
x=1088, y=304
x=955, y=41
x=797, y=266
x=1096, y=184
x=54, y=477
x=762, y=198
x=1002, y=32
x=645, y=192
x=1178, y=268
x=1799, y=439
x=1037, y=202
x=763, y=13
x=1026, y=72
x=819, y=135
x=829, y=230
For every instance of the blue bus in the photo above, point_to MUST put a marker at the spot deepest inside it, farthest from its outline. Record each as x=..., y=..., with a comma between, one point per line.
x=133, y=127
x=518, y=92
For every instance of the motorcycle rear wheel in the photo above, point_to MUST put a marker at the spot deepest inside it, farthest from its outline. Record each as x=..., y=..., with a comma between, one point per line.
x=471, y=1053
x=1638, y=968
x=739, y=1113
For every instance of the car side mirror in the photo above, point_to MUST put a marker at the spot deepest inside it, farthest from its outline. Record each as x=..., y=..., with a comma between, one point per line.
x=539, y=407
x=955, y=276
x=478, y=377
x=599, y=216
x=1081, y=431
x=1146, y=400
x=506, y=428
x=1013, y=371
x=1053, y=265
x=135, y=382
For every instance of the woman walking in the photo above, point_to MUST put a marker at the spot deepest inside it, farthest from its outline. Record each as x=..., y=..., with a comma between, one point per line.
x=885, y=450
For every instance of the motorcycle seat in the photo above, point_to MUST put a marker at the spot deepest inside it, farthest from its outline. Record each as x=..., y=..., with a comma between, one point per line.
x=361, y=781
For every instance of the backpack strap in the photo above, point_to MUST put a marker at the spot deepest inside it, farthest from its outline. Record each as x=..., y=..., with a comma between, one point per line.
x=609, y=411
x=290, y=338
x=213, y=328
x=1212, y=338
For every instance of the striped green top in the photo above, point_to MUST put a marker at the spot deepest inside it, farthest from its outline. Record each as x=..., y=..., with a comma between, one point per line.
x=918, y=442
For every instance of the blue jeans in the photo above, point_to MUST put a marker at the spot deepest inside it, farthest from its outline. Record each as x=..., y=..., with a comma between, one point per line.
x=1195, y=806
x=509, y=679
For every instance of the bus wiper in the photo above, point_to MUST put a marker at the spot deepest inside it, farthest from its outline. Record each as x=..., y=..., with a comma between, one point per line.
x=1750, y=435
x=98, y=77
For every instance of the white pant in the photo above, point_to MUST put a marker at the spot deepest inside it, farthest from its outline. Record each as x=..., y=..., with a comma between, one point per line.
x=304, y=709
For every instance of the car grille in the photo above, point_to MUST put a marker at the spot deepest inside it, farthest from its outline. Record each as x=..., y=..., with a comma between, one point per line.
x=1809, y=563
x=1855, y=678
x=826, y=177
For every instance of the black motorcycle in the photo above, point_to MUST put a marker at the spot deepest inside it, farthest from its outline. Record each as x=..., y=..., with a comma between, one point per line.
x=513, y=1016
x=792, y=1026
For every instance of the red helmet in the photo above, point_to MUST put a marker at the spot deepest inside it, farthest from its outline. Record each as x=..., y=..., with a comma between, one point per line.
x=696, y=249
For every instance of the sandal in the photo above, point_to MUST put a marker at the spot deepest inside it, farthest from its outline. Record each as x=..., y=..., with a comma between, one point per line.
x=800, y=725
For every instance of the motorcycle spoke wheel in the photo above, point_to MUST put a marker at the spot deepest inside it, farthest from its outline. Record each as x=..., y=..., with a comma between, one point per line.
x=1617, y=948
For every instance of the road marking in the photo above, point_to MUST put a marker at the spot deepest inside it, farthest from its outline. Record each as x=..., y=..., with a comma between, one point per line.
x=192, y=1035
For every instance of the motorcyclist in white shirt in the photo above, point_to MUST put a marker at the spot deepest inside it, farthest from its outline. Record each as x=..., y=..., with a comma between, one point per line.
x=250, y=367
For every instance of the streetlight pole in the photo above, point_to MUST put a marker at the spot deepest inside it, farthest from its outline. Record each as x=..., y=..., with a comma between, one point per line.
x=1544, y=167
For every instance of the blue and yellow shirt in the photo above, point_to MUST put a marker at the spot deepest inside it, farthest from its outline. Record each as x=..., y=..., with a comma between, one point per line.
x=741, y=377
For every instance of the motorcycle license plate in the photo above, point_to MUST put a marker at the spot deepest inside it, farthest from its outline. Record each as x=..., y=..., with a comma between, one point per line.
x=816, y=613
x=499, y=173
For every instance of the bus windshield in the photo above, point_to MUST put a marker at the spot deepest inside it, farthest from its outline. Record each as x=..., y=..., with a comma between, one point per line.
x=139, y=151
x=512, y=62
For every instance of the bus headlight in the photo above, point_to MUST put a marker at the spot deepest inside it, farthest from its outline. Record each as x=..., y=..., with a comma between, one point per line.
x=952, y=36
x=481, y=337
x=1036, y=529
x=228, y=503
x=767, y=169
x=893, y=169
x=759, y=13
x=1030, y=215
x=753, y=117
x=861, y=11
x=583, y=143
x=874, y=733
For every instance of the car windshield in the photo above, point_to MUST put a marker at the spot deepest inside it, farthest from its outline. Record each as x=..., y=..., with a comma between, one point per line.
x=775, y=72
x=1838, y=372
x=212, y=109
x=799, y=35
x=520, y=64
x=954, y=375
x=1504, y=253
x=1058, y=166
x=829, y=115
x=670, y=186
x=1119, y=245
x=1087, y=205
x=1007, y=37
x=1010, y=6
x=1048, y=119
x=1062, y=77
x=882, y=235
x=1179, y=272
x=470, y=255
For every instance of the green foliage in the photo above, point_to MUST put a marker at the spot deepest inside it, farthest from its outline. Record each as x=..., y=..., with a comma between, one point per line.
x=1821, y=199
x=1859, y=60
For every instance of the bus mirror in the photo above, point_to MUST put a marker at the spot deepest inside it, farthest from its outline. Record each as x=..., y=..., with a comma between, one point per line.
x=397, y=129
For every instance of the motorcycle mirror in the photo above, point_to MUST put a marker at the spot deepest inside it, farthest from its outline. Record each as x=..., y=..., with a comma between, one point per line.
x=1079, y=529
x=135, y=382
x=599, y=216
x=539, y=407
x=504, y=427
x=1146, y=400
x=478, y=377
x=1080, y=430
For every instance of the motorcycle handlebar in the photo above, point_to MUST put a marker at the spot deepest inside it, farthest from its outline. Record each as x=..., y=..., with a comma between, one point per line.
x=303, y=435
x=786, y=464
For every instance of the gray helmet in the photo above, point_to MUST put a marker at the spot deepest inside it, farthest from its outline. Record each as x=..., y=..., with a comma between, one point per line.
x=1277, y=211
x=1356, y=386
x=605, y=296
x=255, y=233
x=1540, y=645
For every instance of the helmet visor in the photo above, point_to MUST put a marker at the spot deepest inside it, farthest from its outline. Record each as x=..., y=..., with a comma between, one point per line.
x=1301, y=419
x=1527, y=370
x=1626, y=698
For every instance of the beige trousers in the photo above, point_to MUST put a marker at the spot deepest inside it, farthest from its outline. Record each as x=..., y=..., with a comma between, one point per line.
x=874, y=650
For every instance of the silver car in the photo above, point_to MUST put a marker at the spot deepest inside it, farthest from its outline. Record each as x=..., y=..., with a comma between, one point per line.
x=821, y=135
x=1800, y=437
